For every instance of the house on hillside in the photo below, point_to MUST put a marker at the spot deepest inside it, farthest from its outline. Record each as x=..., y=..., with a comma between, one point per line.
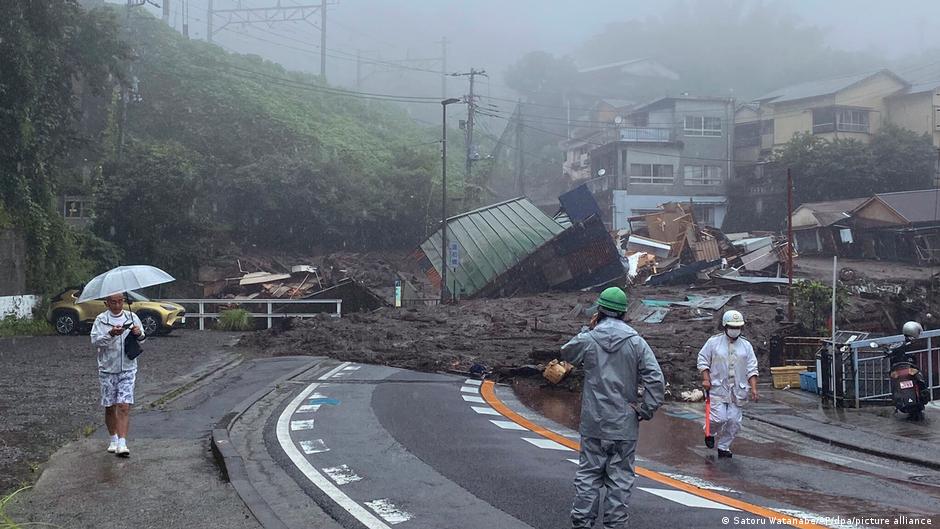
x=672, y=149
x=824, y=227
x=901, y=226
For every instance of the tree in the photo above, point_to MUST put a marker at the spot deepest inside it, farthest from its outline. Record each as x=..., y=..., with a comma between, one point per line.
x=49, y=51
x=541, y=77
x=896, y=159
x=903, y=160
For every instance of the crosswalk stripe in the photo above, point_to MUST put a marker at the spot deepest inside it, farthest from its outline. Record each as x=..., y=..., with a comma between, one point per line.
x=484, y=411
x=301, y=425
x=507, y=425
x=689, y=500
x=470, y=389
x=473, y=382
x=473, y=398
x=541, y=442
x=314, y=446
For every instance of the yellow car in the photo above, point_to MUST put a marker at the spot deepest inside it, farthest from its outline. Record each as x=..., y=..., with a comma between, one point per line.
x=69, y=316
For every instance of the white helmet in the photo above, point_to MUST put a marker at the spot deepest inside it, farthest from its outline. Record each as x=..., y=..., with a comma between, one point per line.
x=912, y=330
x=732, y=318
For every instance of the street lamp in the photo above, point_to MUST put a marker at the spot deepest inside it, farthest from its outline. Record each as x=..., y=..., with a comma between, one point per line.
x=444, y=104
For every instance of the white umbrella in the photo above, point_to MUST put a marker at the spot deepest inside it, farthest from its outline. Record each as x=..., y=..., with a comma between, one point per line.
x=122, y=279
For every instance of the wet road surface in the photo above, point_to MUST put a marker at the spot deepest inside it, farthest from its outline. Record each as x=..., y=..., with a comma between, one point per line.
x=770, y=462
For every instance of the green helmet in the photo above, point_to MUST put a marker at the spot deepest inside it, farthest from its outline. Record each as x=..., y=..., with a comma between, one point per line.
x=614, y=299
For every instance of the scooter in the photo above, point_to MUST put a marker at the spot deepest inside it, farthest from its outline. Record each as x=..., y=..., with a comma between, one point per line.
x=908, y=388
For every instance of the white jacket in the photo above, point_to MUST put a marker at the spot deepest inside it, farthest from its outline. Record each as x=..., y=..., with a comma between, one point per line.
x=111, y=357
x=715, y=357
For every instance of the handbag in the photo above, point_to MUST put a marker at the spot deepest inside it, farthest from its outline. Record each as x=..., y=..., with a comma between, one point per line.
x=132, y=347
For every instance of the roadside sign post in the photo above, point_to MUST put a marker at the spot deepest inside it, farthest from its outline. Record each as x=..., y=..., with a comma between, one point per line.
x=398, y=293
x=453, y=254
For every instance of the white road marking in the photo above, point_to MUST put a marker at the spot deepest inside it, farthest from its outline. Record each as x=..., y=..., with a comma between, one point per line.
x=314, y=446
x=342, y=474
x=485, y=411
x=473, y=382
x=689, y=500
x=473, y=398
x=332, y=372
x=575, y=461
x=507, y=425
x=698, y=482
x=470, y=389
x=307, y=408
x=541, y=442
x=387, y=510
x=301, y=425
x=339, y=374
x=351, y=368
x=329, y=488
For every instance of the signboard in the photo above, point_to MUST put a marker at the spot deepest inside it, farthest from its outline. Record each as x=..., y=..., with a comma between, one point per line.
x=453, y=254
x=398, y=293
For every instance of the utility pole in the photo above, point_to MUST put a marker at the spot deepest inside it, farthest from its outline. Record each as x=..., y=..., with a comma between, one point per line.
x=444, y=104
x=322, y=39
x=443, y=43
x=520, y=171
x=790, y=314
x=209, y=13
x=166, y=12
x=471, y=108
x=268, y=16
x=186, y=18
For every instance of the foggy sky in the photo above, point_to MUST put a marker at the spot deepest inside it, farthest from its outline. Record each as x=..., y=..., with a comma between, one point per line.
x=492, y=34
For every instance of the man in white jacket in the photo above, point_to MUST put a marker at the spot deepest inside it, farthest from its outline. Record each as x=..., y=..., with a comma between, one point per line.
x=116, y=372
x=729, y=372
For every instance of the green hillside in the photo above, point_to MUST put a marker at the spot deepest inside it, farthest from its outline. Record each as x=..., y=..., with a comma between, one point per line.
x=224, y=152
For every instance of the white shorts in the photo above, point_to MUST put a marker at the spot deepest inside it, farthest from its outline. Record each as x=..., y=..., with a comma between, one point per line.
x=117, y=388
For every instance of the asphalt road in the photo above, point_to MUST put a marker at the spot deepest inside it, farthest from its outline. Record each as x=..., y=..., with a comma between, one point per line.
x=389, y=448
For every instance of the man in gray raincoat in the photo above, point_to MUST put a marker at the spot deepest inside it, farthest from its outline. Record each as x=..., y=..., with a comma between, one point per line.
x=623, y=384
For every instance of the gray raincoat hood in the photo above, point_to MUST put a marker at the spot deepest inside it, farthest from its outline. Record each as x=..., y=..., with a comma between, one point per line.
x=617, y=363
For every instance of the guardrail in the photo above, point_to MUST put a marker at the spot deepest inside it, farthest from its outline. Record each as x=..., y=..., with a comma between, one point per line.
x=270, y=314
x=870, y=370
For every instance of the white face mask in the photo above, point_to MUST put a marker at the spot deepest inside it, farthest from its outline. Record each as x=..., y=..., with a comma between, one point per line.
x=733, y=333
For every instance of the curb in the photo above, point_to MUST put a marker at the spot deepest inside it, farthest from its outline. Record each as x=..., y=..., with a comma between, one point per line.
x=197, y=377
x=231, y=462
x=929, y=463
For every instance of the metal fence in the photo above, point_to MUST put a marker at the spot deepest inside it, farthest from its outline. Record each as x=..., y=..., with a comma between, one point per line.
x=867, y=372
x=275, y=308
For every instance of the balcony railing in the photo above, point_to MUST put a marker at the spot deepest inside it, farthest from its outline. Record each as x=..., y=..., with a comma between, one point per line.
x=646, y=134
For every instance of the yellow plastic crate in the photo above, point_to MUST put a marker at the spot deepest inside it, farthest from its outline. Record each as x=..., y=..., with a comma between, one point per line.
x=786, y=376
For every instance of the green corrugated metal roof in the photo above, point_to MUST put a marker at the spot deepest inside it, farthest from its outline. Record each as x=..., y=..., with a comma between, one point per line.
x=491, y=239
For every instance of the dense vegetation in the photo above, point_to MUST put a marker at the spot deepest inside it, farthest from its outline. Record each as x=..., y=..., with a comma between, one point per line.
x=895, y=159
x=225, y=152
x=47, y=51
x=191, y=152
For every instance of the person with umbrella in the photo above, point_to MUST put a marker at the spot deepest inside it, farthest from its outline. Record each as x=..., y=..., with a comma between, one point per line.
x=112, y=331
x=729, y=375
x=116, y=371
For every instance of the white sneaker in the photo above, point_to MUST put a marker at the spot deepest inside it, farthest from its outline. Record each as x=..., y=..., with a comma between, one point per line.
x=123, y=451
x=112, y=447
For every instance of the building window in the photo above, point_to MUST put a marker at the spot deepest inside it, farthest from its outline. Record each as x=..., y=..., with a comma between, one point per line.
x=74, y=209
x=702, y=126
x=702, y=175
x=824, y=120
x=767, y=127
x=852, y=121
x=747, y=135
x=646, y=173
